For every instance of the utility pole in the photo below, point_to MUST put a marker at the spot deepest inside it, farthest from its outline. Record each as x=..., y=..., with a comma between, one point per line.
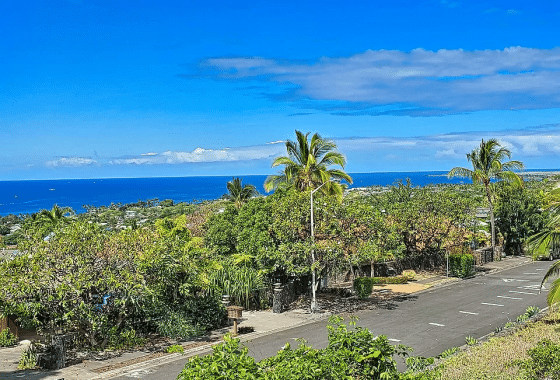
x=313, y=280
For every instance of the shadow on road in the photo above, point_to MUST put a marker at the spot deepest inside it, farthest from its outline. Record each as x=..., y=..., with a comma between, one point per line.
x=30, y=375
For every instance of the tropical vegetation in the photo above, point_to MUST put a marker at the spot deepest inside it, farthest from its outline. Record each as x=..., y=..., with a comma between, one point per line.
x=114, y=274
x=239, y=193
x=306, y=167
x=488, y=164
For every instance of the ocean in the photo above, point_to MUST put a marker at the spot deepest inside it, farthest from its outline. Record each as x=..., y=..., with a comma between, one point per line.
x=25, y=197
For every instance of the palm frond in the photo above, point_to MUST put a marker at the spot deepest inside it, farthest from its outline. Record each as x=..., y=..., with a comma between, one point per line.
x=553, y=296
x=509, y=176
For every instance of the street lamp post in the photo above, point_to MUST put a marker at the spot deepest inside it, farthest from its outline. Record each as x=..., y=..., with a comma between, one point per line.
x=313, y=296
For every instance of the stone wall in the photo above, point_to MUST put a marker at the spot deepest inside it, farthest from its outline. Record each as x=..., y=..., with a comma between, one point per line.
x=485, y=255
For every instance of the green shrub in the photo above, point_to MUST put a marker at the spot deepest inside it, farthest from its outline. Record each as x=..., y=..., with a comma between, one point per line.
x=176, y=348
x=461, y=265
x=206, y=313
x=229, y=360
x=449, y=352
x=544, y=362
x=532, y=310
x=119, y=340
x=363, y=286
x=174, y=325
x=409, y=274
x=352, y=353
x=418, y=363
x=471, y=340
x=7, y=338
x=28, y=358
x=390, y=280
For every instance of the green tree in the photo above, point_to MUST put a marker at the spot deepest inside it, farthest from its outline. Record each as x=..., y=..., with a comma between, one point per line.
x=55, y=216
x=519, y=215
x=238, y=193
x=487, y=164
x=307, y=166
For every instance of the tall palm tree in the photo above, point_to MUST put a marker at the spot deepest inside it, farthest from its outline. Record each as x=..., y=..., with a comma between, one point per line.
x=487, y=165
x=306, y=167
x=239, y=194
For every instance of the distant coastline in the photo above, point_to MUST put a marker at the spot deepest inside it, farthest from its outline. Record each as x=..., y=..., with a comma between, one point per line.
x=527, y=175
x=29, y=196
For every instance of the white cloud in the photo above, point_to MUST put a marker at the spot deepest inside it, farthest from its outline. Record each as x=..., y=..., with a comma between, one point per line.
x=447, y=153
x=524, y=143
x=149, y=154
x=448, y=80
x=202, y=155
x=71, y=161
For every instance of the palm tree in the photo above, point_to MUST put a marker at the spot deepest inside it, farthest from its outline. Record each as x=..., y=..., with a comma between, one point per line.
x=306, y=167
x=56, y=215
x=239, y=194
x=547, y=243
x=487, y=165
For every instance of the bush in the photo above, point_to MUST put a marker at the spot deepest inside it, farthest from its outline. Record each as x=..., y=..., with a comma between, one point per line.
x=363, y=286
x=7, y=338
x=461, y=265
x=119, y=340
x=352, y=353
x=545, y=361
x=409, y=274
x=174, y=325
x=176, y=348
x=206, y=313
x=228, y=361
x=28, y=358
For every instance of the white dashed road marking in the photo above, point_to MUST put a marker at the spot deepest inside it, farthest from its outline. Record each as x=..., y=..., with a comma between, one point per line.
x=394, y=340
x=467, y=312
x=436, y=324
x=515, y=291
x=531, y=273
x=491, y=304
x=511, y=298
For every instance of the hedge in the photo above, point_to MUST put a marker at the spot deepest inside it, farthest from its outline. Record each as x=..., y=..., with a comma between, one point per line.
x=461, y=265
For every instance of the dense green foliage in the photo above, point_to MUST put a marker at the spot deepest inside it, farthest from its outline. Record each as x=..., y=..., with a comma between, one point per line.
x=544, y=362
x=7, y=339
x=363, y=286
x=488, y=164
x=519, y=215
x=28, y=358
x=461, y=265
x=97, y=283
x=352, y=353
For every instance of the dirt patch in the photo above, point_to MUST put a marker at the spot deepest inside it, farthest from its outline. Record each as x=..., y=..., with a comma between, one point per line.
x=400, y=288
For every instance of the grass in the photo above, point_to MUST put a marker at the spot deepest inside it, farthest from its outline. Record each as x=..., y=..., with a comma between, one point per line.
x=495, y=358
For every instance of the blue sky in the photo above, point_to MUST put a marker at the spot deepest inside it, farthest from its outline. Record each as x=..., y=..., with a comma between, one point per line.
x=93, y=89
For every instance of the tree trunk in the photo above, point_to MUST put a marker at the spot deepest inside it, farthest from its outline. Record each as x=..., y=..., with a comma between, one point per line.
x=492, y=221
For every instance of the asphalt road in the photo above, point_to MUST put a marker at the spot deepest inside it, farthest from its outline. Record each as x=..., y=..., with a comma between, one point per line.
x=430, y=322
